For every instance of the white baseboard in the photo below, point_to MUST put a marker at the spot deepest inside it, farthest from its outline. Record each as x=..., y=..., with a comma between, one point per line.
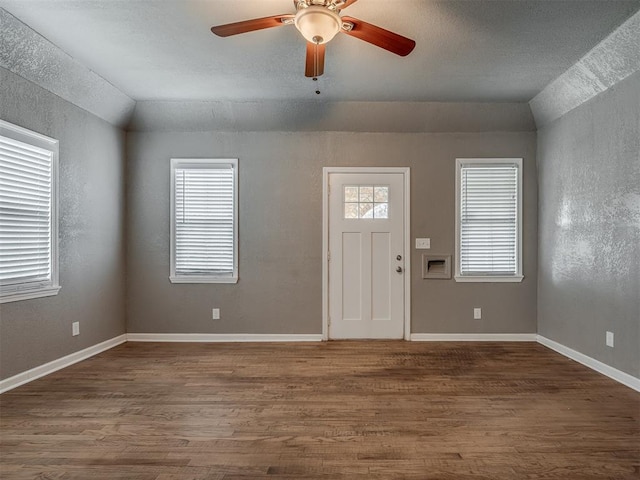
x=613, y=373
x=55, y=365
x=221, y=337
x=42, y=370
x=473, y=337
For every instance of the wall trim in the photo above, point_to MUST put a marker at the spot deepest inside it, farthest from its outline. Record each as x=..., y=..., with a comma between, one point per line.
x=222, y=337
x=55, y=365
x=473, y=337
x=611, y=372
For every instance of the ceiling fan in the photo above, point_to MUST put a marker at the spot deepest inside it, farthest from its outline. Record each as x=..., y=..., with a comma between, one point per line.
x=319, y=21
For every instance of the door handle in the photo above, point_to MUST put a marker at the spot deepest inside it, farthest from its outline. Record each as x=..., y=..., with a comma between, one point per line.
x=399, y=269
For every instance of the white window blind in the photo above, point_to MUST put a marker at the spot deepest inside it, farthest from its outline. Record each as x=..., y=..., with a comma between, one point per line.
x=204, y=220
x=489, y=219
x=27, y=215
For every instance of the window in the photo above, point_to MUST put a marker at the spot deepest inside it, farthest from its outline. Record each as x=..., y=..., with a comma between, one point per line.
x=366, y=201
x=28, y=214
x=204, y=221
x=488, y=220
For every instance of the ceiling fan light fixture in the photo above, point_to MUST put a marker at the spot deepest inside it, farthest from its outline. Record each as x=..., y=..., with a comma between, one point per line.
x=318, y=24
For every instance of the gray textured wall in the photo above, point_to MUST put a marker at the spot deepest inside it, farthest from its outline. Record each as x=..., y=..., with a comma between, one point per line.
x=33, y=332
x=589, y=225
x=280, y=217
x=321, y=115
x=28, y=54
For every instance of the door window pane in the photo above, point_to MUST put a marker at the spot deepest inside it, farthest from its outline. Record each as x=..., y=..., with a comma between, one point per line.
x=381, y=194
x=350, y=210
x=351, y=194
x=366, y=210
x=366, y=194
x=366, y=201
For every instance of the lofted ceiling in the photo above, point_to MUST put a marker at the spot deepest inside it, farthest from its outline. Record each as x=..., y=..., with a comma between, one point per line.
x=467, y=50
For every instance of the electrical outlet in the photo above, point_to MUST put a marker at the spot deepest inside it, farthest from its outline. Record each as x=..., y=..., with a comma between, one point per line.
x=215, y=314
x=477, y=313
x=609, y=339
x=75, y=328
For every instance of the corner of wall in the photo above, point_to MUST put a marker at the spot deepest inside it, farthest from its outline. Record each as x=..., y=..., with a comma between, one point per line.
x=71, y=80
x=608, y=63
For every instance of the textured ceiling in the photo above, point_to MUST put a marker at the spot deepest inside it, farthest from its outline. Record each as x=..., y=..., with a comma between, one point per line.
x=466, y=50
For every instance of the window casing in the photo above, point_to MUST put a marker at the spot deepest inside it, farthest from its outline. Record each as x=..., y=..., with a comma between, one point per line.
x=204, y=220
x=28, y=214
x=489, y=220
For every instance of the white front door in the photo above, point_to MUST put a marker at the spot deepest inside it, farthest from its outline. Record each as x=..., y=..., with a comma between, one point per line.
x=366, y=255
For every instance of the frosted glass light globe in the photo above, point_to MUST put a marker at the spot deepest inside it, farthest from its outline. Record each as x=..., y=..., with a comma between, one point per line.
x=318, y=24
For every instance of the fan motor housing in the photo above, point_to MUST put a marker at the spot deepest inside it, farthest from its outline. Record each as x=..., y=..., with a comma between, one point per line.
x=330, y=4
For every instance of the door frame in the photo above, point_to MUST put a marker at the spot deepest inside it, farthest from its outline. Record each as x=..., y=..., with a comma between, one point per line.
x=406, y=173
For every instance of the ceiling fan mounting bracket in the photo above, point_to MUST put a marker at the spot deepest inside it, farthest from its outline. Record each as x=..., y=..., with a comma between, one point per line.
x=333, y=5
x=347, y=26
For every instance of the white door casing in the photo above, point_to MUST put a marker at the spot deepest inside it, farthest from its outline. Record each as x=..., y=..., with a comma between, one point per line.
x=366, y=233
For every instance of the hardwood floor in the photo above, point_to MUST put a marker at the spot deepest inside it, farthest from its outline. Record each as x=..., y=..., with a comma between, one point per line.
x=338, y=410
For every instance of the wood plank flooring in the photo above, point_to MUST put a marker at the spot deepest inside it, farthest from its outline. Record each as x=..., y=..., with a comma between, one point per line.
x=337, y=410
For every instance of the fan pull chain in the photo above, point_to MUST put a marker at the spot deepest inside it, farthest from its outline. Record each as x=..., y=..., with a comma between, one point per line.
x=315, y=64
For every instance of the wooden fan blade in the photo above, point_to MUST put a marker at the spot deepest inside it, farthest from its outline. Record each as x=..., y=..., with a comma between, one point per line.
x=347, y=3
x=250, y=25
x=315, y=60
x=380, y=37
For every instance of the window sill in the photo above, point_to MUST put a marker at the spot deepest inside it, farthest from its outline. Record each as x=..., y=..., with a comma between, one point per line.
x=194, y=279
x=489, y=279
x=28, y=295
